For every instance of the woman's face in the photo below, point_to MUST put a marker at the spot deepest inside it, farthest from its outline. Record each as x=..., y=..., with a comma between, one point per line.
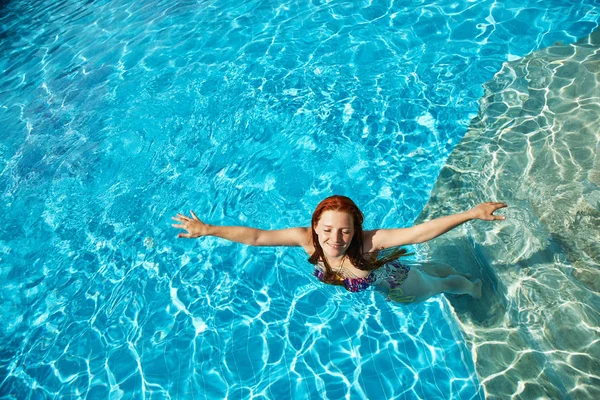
x=335, y=230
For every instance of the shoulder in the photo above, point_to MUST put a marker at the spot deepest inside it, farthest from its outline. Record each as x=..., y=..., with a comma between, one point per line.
x=308, y=245
x=302, y=235
x=370, y=244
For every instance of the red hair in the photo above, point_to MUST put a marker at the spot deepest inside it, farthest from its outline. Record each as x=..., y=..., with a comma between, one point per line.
x=355, y=249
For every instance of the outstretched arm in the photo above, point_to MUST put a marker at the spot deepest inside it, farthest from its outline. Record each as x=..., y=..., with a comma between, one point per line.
x=241, y=234
x=379, y=239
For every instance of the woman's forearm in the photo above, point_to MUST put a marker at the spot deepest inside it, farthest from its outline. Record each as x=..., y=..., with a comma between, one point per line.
x=386, y=238
x=436, y=227
x=195, y=228
x=238, y=234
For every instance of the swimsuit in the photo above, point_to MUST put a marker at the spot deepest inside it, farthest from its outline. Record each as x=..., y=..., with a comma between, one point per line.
x=398, y=274
x=352, y=284
x=395, y=278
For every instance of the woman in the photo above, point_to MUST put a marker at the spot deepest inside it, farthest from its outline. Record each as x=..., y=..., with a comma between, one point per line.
x=344, y=254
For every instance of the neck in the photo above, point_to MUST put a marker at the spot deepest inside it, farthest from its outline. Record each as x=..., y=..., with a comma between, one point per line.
x=334, y=261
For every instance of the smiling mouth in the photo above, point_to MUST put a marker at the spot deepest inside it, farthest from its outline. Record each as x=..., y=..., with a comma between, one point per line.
x=336, y=246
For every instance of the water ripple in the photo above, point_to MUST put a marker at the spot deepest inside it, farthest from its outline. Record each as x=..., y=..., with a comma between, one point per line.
x=116, y=115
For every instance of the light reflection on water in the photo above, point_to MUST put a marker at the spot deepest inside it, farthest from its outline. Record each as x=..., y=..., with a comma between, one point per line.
x=117, y=115
x=535, y=333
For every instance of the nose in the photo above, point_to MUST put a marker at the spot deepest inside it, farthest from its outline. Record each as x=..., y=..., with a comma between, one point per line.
x=339, y=237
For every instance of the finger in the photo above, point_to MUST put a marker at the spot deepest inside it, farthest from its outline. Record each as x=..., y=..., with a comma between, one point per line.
x=184, y=235
x=499, y=217
x=194, y=215
x=496, y=206
x=178, y=226
x=179, y=217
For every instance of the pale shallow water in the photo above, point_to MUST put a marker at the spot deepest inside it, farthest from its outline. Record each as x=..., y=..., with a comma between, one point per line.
x=535, y=332
x=116, y=115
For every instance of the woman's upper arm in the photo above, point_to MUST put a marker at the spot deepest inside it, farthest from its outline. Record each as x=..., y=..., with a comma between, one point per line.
x=283, y=237
x=379, y=239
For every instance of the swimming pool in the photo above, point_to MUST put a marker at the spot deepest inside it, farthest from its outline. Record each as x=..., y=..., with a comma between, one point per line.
x=116, y=115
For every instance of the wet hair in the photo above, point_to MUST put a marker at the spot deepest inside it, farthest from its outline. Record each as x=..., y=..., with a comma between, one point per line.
x=355, y=249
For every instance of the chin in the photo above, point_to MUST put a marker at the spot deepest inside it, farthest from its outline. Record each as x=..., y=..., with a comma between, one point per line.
x=335, y=252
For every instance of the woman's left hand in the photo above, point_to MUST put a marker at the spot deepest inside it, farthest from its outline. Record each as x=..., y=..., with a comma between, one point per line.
x=485, y=211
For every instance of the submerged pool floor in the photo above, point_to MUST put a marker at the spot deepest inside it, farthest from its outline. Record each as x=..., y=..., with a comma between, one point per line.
x=116, y=115
x=534, y=333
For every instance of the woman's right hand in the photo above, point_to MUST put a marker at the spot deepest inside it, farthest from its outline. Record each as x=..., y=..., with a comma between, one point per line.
x=194, y=227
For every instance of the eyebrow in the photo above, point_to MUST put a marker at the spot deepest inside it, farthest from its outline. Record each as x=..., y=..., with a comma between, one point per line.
x=343, y=227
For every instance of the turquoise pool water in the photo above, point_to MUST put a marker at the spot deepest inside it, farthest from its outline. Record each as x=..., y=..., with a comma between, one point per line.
x=116, y=115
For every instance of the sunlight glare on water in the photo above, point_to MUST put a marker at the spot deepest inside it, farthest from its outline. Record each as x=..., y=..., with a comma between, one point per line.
x=115, y=115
